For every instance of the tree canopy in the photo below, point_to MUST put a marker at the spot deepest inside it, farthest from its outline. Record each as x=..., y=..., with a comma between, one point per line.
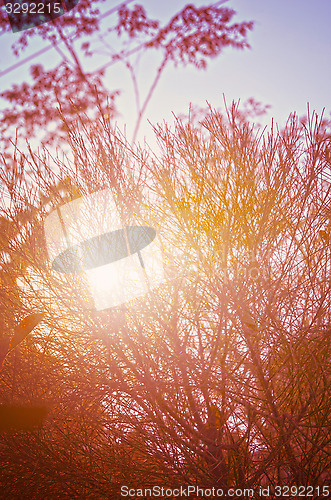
x=220, y=377
x=190, y=37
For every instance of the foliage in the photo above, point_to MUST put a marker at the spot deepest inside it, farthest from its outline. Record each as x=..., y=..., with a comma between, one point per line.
x=218, y=378
x=192, y=36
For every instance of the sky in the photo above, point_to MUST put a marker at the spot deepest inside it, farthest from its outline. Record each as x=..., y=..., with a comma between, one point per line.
x=288, y=65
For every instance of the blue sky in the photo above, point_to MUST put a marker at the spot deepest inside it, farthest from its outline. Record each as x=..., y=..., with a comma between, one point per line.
x=288, y=65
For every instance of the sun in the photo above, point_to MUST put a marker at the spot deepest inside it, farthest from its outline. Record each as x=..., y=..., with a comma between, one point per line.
x=118, y=262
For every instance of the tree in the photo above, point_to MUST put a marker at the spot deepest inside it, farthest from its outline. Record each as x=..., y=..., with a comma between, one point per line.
x=192, y=36
x=221, y=376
